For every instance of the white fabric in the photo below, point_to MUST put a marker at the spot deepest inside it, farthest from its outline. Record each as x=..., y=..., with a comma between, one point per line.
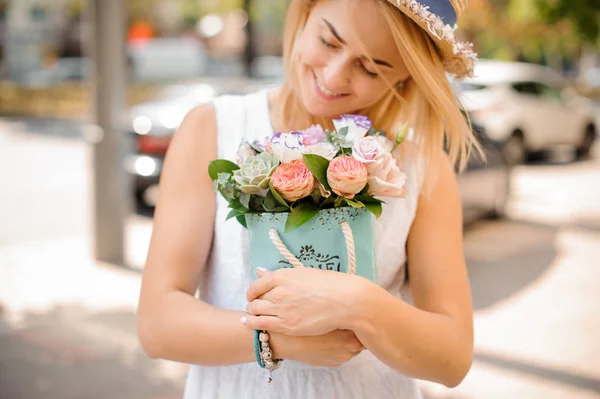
x=228, y=277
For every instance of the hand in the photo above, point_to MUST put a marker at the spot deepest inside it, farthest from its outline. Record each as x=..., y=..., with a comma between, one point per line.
x=302, y=301
x=329, y=350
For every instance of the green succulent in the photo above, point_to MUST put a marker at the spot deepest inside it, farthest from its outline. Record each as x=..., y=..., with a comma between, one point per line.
x=254, y=174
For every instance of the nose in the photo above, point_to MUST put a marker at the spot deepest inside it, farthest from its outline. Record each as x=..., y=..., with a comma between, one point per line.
x=336, y=74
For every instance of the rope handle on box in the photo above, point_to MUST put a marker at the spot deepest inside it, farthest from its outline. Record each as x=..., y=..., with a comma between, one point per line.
x=296, y=263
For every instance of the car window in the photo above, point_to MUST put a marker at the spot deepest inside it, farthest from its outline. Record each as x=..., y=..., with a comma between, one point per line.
x=538, y=89
x=550, y=93
x=528, y=88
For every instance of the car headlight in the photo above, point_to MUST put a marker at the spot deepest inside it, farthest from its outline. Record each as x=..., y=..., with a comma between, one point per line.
x=171, y=119
x=145, y=166
x=142, y=125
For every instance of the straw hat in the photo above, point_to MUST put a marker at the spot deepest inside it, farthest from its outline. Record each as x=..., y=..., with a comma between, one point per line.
x=438, y=18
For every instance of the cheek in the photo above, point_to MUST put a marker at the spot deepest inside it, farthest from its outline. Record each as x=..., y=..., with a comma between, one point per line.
x=309, y=54
x=369, y=91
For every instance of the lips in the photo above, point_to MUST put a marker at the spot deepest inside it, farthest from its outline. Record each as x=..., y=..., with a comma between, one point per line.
x=324, y=92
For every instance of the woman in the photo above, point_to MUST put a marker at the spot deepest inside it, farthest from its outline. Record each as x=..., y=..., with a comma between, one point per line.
x=339, y=335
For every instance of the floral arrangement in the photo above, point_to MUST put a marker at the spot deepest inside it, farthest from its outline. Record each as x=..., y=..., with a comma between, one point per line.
x=306, y=171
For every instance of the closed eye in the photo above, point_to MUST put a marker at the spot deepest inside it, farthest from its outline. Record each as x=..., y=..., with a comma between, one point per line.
x=326, y=43
x=372, y=75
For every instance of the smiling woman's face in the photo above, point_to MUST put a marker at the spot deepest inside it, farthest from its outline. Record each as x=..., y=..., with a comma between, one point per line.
x=334, y=74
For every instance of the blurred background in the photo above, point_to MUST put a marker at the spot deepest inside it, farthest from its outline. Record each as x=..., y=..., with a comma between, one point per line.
x=92, y=91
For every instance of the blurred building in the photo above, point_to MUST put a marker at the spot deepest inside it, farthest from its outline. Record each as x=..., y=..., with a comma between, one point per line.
x=35, y=33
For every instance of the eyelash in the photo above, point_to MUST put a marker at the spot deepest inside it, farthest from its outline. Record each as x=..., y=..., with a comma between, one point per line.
x=370, y=74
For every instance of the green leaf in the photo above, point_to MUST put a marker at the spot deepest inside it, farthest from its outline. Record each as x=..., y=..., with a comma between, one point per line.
x=277, y=197
x=245, y=200
x=234, y=213
x=339, y=201
x=220, y=166
x=269, y=202
x=242, y=220
x=376, y=209
x=372, y=132
x=318, y=167
x=355, y=204
x=255, y=148
x=368, y=199
x=236, y=204
x=300, y=215
x=343, y=131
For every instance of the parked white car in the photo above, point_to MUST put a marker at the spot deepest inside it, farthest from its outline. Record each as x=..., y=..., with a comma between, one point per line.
x=528, y=108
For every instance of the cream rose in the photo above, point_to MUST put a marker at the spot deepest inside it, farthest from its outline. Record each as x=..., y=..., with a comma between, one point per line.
x=385, y=177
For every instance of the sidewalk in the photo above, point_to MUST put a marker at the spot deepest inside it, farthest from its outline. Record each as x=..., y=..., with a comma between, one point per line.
x=67, y=328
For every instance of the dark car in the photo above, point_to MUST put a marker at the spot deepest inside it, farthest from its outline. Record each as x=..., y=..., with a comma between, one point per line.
x=151, y=126
x=484, y=186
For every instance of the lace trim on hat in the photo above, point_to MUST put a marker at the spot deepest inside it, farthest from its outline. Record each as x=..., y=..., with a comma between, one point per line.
x=441, y=31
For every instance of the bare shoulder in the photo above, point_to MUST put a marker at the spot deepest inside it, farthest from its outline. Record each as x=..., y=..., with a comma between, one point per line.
x=439, y=181
x=185, y=210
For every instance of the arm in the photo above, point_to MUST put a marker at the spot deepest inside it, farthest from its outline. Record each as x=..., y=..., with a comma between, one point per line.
x=172, y=323
x=434, y=339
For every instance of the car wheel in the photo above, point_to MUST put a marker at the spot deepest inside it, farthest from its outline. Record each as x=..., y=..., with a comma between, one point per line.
x=514, y=149
x=141, y=205
x=584, y=149
x=502, y=195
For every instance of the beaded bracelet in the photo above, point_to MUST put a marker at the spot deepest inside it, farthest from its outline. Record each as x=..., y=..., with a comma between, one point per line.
x=257, y=348
x=265, y=359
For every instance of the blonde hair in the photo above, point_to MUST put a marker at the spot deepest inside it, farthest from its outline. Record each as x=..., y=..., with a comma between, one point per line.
x=426, y=101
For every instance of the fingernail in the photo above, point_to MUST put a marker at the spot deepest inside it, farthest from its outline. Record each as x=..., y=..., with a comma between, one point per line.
x=243, y=320
x=261, y=269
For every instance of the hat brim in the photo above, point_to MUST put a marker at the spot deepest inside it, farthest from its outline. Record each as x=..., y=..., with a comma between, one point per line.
x=458, y=56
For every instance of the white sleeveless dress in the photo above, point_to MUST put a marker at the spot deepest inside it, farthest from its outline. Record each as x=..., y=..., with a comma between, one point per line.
x=228, y=277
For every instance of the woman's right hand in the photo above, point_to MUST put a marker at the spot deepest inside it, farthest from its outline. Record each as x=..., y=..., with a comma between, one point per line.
x=330, y=350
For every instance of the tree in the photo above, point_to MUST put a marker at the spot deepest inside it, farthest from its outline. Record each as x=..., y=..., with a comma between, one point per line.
x=583, y=15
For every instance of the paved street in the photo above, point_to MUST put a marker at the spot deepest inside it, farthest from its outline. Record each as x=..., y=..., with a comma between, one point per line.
x=67, y=324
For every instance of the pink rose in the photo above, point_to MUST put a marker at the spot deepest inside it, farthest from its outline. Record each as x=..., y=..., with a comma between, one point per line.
x=293, y=180
x=347, y=176
x=385, y=177
x=313, y=135
x=367, y=150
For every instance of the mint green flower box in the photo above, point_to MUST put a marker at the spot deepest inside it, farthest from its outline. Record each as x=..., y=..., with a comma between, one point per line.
x=319, y=243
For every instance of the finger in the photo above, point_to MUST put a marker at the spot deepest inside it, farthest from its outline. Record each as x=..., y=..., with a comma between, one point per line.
x=261, y=307
x=261, y=287
x=268, y=323
x=261, y=271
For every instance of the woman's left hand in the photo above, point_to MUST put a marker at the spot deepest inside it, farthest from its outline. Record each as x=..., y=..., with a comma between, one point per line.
x=302, y=301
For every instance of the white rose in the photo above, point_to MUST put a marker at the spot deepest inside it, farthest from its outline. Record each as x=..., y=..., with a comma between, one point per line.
x=324, y=149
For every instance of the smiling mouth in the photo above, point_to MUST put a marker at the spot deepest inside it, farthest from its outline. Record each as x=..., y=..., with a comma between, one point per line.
x=324, y=90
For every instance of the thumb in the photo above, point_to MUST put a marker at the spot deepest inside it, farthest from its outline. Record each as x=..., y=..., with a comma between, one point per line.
x=261, y=271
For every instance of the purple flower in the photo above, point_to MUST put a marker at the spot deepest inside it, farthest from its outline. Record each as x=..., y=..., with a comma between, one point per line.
x=357, y=127
x=314, y=135
x=287, y=146
x=360, y=121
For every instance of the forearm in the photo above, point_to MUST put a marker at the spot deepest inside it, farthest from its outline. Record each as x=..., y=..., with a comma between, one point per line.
x=417, y=343
x=184, y=329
